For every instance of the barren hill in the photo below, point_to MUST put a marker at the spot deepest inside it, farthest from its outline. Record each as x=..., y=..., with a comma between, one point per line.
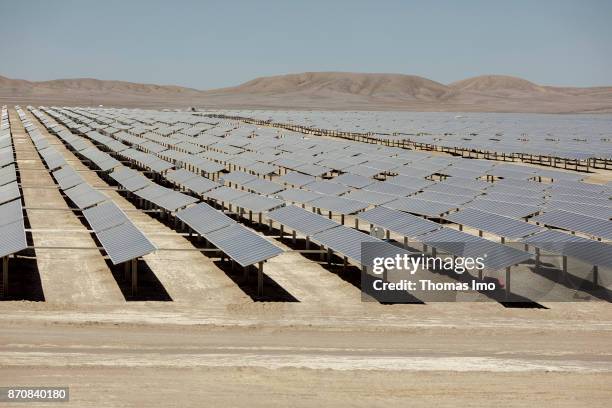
x=323, y=90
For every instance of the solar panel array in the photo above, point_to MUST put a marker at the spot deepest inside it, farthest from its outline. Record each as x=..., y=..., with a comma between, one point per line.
x=262, y=168
x=565, y=136
x=240, y=243
x=12, y=228
x=121, y=239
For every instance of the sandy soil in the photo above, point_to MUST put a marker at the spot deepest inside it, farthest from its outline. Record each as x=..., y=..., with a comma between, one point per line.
x=311, y=342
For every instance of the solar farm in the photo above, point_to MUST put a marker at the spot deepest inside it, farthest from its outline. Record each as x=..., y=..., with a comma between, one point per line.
x=245, y=189
x=137, y=243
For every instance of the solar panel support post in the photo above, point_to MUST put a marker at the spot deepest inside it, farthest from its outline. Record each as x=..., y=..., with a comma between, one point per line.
x=329, y=256
x=595, y=275
x=537, y=257
x=479, y=273
x=307, y=242
x=134, y=263
x=5, y=276
x=357, y=223
x=293, y=237
x=508, y=282
x=126, y=271
x=269, y=225
x=342, y=219
x=282, y=232
x=260, y=279
x=564, y=266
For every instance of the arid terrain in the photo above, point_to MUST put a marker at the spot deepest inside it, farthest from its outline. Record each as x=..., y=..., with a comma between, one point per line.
x=322, y=90
x=209, y=343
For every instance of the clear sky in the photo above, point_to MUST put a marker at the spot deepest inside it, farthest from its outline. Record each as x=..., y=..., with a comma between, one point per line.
x=205, y=44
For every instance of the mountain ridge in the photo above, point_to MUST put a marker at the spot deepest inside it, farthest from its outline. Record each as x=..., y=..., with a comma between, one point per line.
x=323, y=90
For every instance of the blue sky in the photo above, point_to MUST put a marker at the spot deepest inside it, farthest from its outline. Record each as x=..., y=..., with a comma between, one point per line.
x=204, y=44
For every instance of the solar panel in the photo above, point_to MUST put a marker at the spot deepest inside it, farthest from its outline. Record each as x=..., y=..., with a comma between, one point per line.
x=263, y=169
x=450, y=199
x=603, y=201
x=388, y=188
x=237, y=177
x=243, y=245
x=413, y=171
x=296, y=179
x=124, y=242
x=173, y=200
x=580, y=186
x=136, y=183
x=370, y=197
x=347, y=242
x=83, y=195
x=576, y=222
x=421, y=207
x=363, y=171
x=494, y=223
x=450, y=189
x=7, y=174
x=593, y=252
x=313, y=169
x=405, y=224
x=512, y=210
x=224, y=194
x=152, y=192
x=52, y=158
x=512, y=198
x=413, y=183
x=180, y=176
x=508, y=189
x=327, y=187
x=472, y=184
x=338, y=205
x=199, y=184
x=209, y=167
x=123, y=173
x=301, y=220
x=353, y=180
x=11, y=212
x=298, y=196
x=67, y=177
x=596, y=211
x=263, y=186
x=257, y=203
x=203, y=218
x=104, y=216
x=494, y=256
x=12, y=238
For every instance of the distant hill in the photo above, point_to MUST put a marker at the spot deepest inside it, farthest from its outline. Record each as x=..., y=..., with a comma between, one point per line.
x=322, y=90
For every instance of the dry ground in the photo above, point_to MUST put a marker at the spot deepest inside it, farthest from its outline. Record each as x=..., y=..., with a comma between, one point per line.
x=196, y=336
